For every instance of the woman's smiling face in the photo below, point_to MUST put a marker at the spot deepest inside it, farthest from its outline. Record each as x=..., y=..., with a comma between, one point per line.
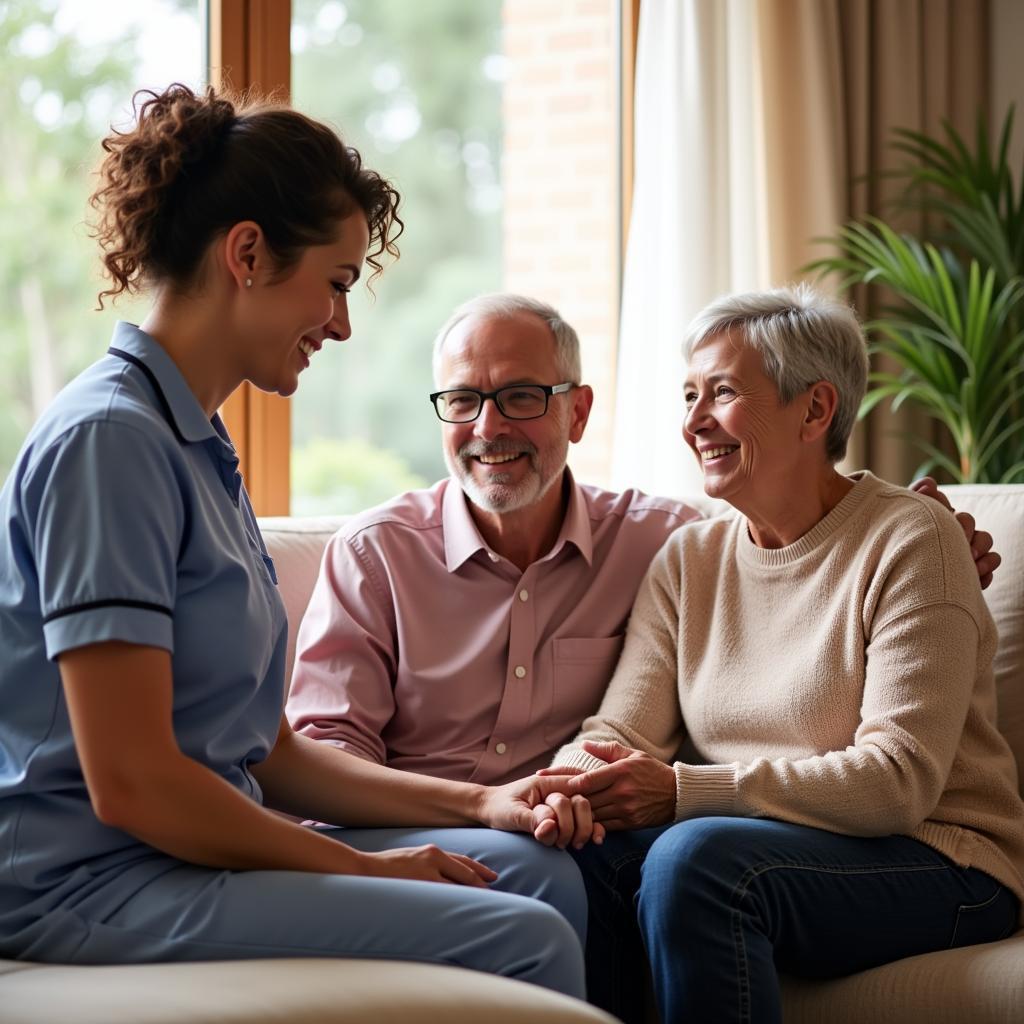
x=289, y=318
x=746, y=441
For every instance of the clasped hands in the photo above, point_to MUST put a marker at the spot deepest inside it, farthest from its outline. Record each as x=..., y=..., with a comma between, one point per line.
x=565, y=806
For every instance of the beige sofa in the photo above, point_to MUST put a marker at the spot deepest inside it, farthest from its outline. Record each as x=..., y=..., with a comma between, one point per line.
x=977, y=985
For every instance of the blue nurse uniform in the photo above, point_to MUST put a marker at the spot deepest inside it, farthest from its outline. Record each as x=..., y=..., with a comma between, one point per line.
x=125, y=519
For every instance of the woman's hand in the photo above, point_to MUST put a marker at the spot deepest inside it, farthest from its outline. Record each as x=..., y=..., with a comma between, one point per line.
x=543, y=807
x=633, y=790
x=566, y=820
x=428, y=864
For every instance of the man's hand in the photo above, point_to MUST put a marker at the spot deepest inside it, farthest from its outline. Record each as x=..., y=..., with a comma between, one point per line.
x=543, y=807
x=986, y=561
x=632, y=790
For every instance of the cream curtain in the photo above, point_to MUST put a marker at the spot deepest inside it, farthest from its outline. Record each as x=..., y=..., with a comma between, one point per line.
x=759, y=125
x=909, y=64
x=698, y=222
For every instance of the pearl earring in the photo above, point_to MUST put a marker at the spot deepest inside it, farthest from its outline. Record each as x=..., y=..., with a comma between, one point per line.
x=248, y=282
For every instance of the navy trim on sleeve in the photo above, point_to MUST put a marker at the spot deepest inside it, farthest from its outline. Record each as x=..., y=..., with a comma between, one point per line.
x=165, y=406
x=88, y=606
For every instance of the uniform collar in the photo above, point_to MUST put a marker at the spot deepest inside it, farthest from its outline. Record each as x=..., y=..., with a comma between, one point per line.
x=462, y=538
x=177, y=400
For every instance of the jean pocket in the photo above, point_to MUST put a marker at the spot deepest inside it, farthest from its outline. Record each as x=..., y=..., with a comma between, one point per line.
x=993, y=919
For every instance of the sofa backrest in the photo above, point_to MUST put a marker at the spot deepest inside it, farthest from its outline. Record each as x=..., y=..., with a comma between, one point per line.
x=999, y=508
x=297, y=544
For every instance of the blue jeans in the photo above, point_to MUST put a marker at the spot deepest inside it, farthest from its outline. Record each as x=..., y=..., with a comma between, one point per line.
x=722, y=905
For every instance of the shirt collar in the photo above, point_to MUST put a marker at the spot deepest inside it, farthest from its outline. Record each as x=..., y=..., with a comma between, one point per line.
x=462, y=539
x=576, y=527
x=176, y=398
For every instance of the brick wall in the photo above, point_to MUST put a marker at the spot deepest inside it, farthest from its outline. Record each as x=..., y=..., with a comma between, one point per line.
x=561, y=185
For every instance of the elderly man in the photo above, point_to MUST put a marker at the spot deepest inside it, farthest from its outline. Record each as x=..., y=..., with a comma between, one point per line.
x=465, y=631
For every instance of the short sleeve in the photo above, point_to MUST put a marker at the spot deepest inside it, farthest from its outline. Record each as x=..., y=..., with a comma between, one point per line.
x=106, y=519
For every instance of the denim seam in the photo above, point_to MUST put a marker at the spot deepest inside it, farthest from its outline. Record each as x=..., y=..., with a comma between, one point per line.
x=969, y=907
x=873, y=869
x=742, y=967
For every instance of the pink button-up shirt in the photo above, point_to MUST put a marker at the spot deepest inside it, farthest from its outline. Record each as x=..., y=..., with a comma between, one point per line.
x=424, y=650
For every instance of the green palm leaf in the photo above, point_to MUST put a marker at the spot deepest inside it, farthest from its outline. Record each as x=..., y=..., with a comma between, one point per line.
x=951, y=323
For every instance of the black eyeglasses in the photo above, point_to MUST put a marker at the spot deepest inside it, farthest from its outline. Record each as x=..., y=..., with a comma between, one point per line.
x=517, y=401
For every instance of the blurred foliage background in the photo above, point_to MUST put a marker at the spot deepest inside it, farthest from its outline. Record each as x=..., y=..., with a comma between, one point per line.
x=416, y=87
x=69, y=71
x=58, y=94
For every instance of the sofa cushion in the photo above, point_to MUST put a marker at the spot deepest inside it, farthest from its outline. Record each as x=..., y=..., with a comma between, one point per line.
x=296, y=544
x=999, y=508
x=280, y=991
x=976, y=984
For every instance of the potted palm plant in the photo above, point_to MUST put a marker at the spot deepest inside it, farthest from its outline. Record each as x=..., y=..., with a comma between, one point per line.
x=951, y=306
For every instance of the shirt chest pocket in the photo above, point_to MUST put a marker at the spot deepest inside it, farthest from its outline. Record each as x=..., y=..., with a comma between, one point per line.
x=581, y=670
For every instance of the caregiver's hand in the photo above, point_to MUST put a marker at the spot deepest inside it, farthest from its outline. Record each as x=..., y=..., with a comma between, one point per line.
x=427, y=864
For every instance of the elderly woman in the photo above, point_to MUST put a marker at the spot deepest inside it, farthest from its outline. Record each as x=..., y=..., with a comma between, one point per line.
x=843, y=798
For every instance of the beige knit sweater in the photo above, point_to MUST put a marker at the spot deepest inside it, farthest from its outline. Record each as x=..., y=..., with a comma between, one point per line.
x=843, y=682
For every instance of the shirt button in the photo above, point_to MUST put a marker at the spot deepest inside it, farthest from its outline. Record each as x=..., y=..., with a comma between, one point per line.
x=500, y=748
x=492, y=556
x=520, y=671
x=524, y=595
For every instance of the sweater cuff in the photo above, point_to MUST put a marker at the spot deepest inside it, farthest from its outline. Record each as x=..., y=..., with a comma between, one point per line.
x=575, y=757
x=704, y=789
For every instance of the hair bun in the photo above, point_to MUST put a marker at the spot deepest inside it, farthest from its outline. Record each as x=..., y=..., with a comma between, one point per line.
x=191, y=127
x=193, y=164
x=176, y=135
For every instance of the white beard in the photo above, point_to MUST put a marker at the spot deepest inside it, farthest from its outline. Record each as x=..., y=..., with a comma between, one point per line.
x=501, y=495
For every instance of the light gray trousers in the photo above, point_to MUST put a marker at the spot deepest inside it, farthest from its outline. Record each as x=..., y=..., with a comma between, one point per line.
x=530, y=924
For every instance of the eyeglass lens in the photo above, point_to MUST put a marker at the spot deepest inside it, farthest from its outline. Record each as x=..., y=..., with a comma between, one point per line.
x=520, y=402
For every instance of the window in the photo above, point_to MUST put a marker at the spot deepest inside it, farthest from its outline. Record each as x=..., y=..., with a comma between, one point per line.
x=417, y=89
x=499, y=123
x=497, y=119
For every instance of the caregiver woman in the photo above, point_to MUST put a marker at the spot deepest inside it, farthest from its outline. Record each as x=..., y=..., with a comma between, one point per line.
x=142, y=636
x=827, y=656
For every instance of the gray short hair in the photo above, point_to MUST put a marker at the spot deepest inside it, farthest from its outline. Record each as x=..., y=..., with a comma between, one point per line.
x=803, y=337
x=502, y=306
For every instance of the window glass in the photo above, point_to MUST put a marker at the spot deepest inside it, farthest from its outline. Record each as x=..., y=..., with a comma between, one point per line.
x=68, y=72
x=417, y=88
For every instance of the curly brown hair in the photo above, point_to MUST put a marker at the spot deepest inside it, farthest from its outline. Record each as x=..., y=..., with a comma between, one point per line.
x=194, y=164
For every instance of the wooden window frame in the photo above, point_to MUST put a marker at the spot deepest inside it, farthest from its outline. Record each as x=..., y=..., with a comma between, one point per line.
x=250, y=48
